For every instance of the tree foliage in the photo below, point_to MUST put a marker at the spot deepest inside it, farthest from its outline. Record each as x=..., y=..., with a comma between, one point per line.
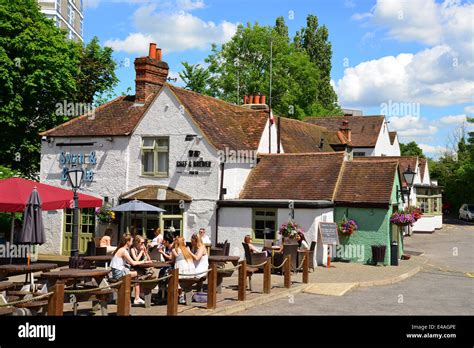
x=411, y=149
x=455, y=171
x=195, y=77
x=39, y=68
x=300, y=81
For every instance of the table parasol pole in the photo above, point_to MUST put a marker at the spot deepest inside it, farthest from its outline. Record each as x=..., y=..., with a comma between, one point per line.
x=11, y=236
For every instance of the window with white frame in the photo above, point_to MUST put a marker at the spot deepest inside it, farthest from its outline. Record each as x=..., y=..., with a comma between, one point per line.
x=358, y=154
x=58, y=5
x=71, y=15
x=264, y=220
x=155, y=156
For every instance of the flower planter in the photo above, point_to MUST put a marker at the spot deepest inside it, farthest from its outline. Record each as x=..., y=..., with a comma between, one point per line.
x=378, y=253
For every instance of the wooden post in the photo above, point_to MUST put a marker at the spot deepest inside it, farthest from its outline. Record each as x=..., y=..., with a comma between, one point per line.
x=56, y=301
x=287, y=271
x=267, y=271
x=306, y=267
x=123, y=297
x=173, y=281
x=212, y=287
x=242, y=280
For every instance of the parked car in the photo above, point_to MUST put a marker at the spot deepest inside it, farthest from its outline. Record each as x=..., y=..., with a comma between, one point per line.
x=466, y=212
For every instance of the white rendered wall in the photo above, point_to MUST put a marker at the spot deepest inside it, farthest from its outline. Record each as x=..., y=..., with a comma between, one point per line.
x=383, y=145
x=264, y=141
x=235, y=175
x=396, y=147
x=427, y=223
x=109, y=178
x=235, y=223
x=165, y=118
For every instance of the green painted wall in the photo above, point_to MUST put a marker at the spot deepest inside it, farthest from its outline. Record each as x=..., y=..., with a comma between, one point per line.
x=374, y=228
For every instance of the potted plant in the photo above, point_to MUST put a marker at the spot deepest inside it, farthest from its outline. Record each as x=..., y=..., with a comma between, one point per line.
x=104, y=214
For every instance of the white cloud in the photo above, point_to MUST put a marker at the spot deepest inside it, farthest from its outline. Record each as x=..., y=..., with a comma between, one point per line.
x=432, y=149
x=172, y=31
x=412, y=127
x=469, y=109
x=437, y=76
x=189, y=5
x=453, y=119
x=360, y=16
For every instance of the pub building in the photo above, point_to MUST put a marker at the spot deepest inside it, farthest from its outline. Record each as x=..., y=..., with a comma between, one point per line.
x=231, y=169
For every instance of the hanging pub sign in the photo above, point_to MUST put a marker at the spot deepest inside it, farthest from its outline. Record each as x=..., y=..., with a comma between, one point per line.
x=68, y=159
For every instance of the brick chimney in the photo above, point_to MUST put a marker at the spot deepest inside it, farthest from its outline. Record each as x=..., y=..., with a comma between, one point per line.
x=151, y=74
x=345, y=130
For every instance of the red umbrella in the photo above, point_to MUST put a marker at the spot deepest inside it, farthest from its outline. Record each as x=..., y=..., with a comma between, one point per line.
x=14, y=194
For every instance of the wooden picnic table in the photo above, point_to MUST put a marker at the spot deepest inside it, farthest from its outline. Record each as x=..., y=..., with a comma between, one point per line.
x=8, y=270
x=6, y=286
x=222, y=259
x=154, y=264
x=76, y=274
x=105, y=258
x=7, y=310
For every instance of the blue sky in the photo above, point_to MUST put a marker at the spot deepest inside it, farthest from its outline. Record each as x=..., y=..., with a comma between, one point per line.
x=413, y=55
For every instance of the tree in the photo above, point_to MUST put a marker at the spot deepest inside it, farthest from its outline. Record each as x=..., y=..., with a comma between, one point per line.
x=96, y=74
x=242, y=67
x=315, y=40
x=39, y=70
x=195, y=77
x=411, y=149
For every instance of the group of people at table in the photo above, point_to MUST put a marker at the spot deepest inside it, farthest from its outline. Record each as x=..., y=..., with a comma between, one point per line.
x=192, y=262
x=133, y=251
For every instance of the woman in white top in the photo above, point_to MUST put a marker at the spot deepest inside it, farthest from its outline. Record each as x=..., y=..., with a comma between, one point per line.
x=183, y=260
x=121, y=260
x=302, y=243
x=201, y=260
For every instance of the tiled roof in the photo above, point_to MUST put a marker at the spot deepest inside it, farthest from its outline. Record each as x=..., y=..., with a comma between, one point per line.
x=153, y=193
x=117, y=117
x=364, y=129
x=366, y=182
x=392, y=136
x=422, y=166
x=225, y=125
x=301, y=137
x=310, y=176
x=403, y=163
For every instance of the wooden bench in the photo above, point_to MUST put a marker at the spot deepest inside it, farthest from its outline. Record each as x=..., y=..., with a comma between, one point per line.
x=34, y=306
x=99, y=298
x=7, y=310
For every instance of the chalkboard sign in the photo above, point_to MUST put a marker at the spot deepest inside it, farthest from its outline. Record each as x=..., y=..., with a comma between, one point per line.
x=328, y=232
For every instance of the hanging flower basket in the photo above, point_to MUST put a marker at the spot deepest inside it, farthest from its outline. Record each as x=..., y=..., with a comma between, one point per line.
x=290, y=230
x=416, y=212
x=104, y=214
x=347, y=227
x=402, y=218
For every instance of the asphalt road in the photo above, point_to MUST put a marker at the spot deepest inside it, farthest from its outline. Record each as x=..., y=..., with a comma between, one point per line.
x=441, y=288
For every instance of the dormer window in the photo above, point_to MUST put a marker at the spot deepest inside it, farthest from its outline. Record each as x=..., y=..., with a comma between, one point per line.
x=155, y=156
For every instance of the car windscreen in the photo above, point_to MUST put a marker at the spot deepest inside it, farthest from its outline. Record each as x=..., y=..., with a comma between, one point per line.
x=470, y=207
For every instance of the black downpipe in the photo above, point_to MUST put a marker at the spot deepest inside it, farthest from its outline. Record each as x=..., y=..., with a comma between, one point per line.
x=221, y=197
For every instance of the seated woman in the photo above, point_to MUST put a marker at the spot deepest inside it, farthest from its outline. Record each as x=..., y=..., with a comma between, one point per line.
x=121, y=262
x=199, y=254
x=166, y=248
x=158, y=240
x=105, y=241
x=302, y=243
x=183, y=260
x=253, y=249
